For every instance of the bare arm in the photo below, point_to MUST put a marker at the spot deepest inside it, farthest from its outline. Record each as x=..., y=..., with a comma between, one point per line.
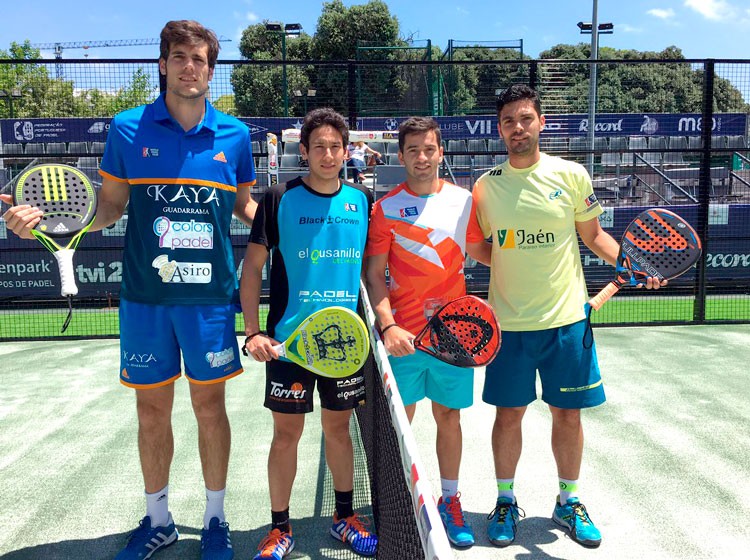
x=397, y=340
x=245, y=206
x=480, y=252
x=111, y=201
x=260, y=346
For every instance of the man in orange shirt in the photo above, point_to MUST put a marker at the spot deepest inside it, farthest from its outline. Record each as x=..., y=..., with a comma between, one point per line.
x=420, y=231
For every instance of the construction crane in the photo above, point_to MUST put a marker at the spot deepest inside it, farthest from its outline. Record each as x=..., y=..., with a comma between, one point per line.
x=58, y=48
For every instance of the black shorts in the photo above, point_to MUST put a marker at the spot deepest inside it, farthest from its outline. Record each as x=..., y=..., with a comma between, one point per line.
x=289, y=389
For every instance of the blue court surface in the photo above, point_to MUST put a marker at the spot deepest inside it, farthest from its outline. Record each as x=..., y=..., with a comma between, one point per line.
x=666, y=471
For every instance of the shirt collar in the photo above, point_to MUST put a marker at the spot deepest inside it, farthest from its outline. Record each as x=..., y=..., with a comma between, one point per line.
x=161, y=114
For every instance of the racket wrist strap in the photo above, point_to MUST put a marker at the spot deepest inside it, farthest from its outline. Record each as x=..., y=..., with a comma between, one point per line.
x=382, y=330
x=248, y=338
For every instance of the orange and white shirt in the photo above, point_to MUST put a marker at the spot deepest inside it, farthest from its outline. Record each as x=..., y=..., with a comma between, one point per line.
x=425, y=238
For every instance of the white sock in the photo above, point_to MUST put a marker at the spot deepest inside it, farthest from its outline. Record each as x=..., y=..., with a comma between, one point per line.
x=450, y=488
x=157, y=507
x=505, y=488
x=214, y=506
x=568, y=489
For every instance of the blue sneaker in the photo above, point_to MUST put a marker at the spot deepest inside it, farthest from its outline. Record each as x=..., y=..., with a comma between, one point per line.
x=503, y=520
x=275, y=546
x=215, y=541
x=574, y=517
x=459, y=532
x=145, y=540
x=353, y=531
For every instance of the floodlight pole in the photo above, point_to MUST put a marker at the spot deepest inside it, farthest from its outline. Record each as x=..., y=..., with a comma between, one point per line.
x=592, y=84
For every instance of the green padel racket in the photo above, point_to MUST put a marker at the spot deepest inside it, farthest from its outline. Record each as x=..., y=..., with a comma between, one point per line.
x=332, y=342
x=68, y=200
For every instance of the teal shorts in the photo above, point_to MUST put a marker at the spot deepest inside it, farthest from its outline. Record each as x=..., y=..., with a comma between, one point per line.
x=420, y=375
x=568, y=371
x=153, y=338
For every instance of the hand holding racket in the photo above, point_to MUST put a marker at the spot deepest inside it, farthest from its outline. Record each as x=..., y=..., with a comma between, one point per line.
x=657, y=243
x=464, y=332
x=68, y=202
x=332, y=342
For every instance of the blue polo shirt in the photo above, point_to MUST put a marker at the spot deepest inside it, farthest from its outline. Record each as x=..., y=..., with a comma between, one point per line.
x=183, y=186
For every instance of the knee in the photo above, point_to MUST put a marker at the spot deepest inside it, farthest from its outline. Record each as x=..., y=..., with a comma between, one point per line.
x=568, y=418
x=209, y=408
x=152, y=413
x=509, y=418
x=447, y=418
x=337, y=432
x=285, y=437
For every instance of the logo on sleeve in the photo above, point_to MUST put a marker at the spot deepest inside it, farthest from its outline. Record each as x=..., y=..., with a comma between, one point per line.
x=408, y=212
x=350, y=207
x=591, y=200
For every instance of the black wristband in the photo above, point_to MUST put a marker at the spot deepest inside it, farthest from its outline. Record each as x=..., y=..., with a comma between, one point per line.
x=248, y=339
x=382, y=331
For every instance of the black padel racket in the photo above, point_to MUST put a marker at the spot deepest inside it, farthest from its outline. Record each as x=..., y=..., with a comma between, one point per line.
x=657, y=243
x=68, y=200
x=464, y=332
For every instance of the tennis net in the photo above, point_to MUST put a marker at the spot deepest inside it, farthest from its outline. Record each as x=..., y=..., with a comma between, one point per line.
x=403, y=505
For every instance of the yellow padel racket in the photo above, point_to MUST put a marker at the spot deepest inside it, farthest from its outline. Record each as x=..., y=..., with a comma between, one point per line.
x=68, y=200
x=332, y=342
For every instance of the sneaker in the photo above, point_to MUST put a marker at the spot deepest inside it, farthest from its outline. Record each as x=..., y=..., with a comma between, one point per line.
x=459, y=532
x=574, y=517
x=215, y=541
x=352, y=530
x=145, y=540
x=503, y=520
x=275, y=546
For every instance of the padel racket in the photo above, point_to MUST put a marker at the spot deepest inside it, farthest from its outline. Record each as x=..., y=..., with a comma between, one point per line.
x=332, y=342
x=657, y=243
x=68, y=200
x=464, y=332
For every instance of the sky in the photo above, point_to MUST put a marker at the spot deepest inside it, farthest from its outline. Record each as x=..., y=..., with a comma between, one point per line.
x=701, y=28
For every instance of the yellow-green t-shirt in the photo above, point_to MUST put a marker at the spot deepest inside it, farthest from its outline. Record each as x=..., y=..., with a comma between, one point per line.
x=536, y=278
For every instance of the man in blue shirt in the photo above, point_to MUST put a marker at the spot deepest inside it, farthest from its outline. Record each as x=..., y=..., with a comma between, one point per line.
x=315, y=228
x=183, y=169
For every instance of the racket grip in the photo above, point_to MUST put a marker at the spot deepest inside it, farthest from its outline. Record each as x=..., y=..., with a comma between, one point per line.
x=67, y=277
x=602, y=297
x=281, y=350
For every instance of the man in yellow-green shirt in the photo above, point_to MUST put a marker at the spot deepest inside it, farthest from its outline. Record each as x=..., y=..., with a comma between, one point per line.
x=534, y=207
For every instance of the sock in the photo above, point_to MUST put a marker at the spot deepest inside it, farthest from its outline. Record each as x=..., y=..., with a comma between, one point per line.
x=280, y=521
x=505, y=488
x=568, y=489
x=449, y=487
x=157, y=507
x=344, y=504
x=214, y=506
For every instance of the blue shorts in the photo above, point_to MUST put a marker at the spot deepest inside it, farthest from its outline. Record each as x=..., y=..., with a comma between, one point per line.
x=152, y=336
x=420, y=375
x=568, y=371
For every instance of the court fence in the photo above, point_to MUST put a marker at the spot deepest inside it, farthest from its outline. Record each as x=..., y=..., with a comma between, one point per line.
x=645, y=146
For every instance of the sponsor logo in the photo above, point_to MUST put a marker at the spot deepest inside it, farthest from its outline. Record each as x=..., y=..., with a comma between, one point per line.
x=150, y=152
x=23, y=130
x=496, y=172
x=327, y=296
x=524, y=240
x=180, y=193
x=330, y=220
x=98, y=127
x=484, y=126
x=350, y=255
x=728, y=260
x=390, y=124
x=137, y=360
x=353, y=393
x=295, y=393
x=21, y=269
x=616, y=126
x=408, y=212
x=350, y=207
x=556, y=194
x=183, y=235
x=173, y=272
x=220, y=157
x=591, y=200
x=60, y=228
x=124, y=373
x=349, y=382
x=222, y=358
x=694, y=124
x=650, y=125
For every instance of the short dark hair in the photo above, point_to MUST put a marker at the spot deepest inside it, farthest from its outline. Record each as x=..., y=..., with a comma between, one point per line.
x=518, y=92
x=418, y=125
x=322, y=117
x=188, y=32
